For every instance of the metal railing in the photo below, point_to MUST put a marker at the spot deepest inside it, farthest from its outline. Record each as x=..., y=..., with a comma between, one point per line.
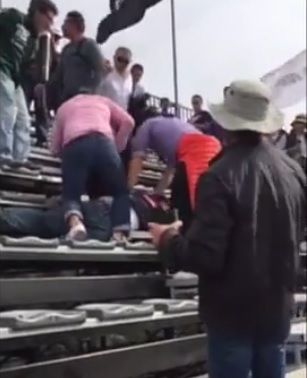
x=183, y=112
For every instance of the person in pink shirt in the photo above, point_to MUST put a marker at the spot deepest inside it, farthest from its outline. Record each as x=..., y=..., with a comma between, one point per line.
x=88, y=134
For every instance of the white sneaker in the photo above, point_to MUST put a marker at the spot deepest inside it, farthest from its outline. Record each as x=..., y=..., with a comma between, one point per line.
x=119, y=238
x=77, y=233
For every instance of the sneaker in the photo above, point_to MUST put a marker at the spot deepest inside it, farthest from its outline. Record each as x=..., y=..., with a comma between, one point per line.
x=77, y=233
x=119, y=238
x=7, y=165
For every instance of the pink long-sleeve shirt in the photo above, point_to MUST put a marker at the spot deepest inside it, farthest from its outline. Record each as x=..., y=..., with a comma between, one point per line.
x=85, y=114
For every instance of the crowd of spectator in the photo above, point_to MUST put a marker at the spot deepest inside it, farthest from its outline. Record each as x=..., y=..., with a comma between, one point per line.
x=99, y=107
x=94, y=114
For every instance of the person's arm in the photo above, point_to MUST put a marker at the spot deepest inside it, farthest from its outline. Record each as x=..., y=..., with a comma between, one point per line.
x=56, y=133
x=140, y=145
x=122, y=124
x=95, y=59
x=203, y=249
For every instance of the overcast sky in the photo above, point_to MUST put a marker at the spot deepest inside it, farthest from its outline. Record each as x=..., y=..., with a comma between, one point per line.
x=218, y=41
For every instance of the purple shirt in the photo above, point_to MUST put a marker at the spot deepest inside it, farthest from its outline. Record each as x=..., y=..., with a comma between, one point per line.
x=161, y=135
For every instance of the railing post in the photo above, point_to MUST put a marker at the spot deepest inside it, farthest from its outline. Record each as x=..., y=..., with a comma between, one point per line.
x=175, y=63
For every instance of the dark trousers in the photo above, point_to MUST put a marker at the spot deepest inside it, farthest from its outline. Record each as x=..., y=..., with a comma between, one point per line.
x=49, y=224
x=91, y=165
x=40, y=111
x=228, y=357
x=180, y=198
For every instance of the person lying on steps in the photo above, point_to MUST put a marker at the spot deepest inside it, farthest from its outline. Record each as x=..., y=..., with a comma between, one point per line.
x=88, y=134
x=49, y=223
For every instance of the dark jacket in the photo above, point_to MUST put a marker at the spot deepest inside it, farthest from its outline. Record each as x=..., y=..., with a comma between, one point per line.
x=17, y=42
x=293, y=148
x=79, y=67
x=244, y=240
x=205, y=123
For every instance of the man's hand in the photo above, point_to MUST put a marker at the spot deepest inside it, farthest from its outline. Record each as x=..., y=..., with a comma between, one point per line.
x=157, y=230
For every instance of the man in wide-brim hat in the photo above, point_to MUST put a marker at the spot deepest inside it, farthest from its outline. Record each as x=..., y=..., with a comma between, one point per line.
x=244, y=239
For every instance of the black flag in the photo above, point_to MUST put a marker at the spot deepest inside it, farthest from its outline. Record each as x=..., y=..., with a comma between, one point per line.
x=124, y=13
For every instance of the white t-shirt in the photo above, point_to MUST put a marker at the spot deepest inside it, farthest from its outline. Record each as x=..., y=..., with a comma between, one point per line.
x=117, y=88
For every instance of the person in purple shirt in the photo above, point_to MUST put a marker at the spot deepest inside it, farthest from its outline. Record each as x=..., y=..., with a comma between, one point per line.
x=186, y=152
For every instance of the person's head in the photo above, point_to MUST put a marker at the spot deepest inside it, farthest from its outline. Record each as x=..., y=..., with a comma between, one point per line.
x=42, y=14
x=197, y=103
x=122, y=59
x=247, y=111
x=74, y=25
x=299, y=124
x=137, y=71
x=165, y=104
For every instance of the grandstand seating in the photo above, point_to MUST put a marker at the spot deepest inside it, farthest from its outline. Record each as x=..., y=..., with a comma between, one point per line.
x=98, y=310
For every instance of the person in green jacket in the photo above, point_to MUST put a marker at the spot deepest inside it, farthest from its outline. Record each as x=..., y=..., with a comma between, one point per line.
x=18, y=37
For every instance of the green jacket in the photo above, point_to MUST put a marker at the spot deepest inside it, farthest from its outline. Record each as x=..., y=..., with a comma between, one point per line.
x=17, y=43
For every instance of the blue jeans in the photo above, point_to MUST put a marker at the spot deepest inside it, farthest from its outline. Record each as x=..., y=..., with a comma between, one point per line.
x=94, y=158
x=232, y=358
x=15, y=141
x=21, y=222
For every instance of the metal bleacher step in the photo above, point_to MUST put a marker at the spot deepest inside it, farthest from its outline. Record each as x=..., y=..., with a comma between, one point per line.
x=23, y=197
x=29, y=241
x=33, y=319
x=140, y=236
x=92, y=244
x=51, y=171
x=300, y=310
x=30, y=177
x=43, y=155
x=105, y=312
x=296, y=345
x=292, y=373
x=182, y=279
x=171, y=306
x=139, y=246
x=182, y=285
x=94, y=327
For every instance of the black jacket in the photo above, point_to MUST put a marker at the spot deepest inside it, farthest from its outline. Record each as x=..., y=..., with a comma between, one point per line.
x=243, y=242
x=293, y=147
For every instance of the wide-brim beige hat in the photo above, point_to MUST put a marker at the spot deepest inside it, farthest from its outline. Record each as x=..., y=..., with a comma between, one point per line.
x=301, y=119
x=247, y=106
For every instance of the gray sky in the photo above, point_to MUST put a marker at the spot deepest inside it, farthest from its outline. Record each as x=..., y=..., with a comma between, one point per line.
x=218, y=41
